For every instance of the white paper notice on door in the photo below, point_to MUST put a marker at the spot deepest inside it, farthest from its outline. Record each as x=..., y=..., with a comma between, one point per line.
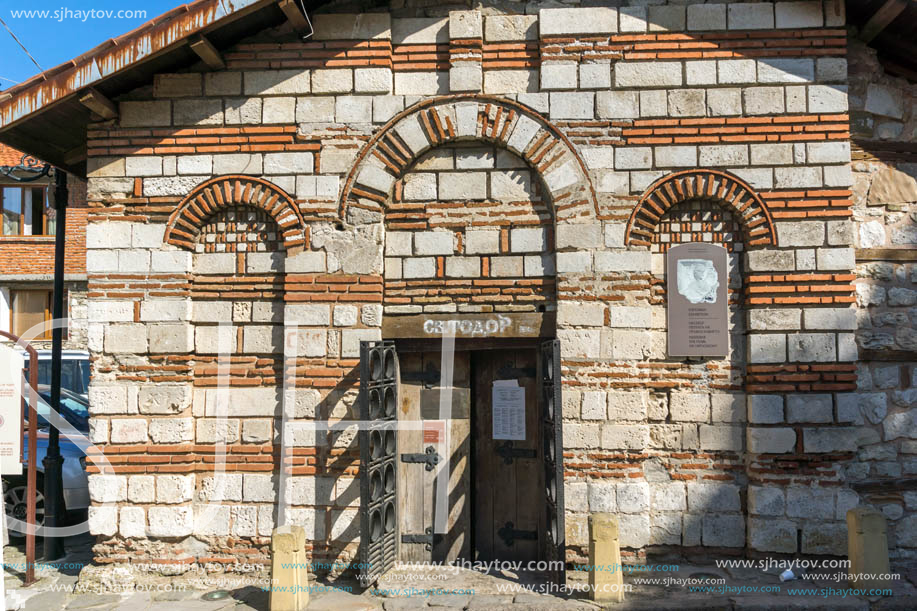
x=508, y=410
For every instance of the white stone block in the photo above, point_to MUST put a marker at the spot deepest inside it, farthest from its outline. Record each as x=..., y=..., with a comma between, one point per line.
x=751, y=16
x=278, y=110
x=108, y=235
x=277, y=82
x=798, y=177
x=617, y=104
x=622, y=261
x=770, y=348
x=835, y=259
x=422, y=83
x=171, y=338
x=654, y=103
x=419, y=267
x=572, y=104
x=594, y=75
x=827, y=98
x=633, y=158
x=710, y=17
x=736, y=71
x=171, y=430
x=700, y=72
x=353, y=109
x=351, y=338
x=564, y=21
x=771, y=154
x=173, y=489
x=648, y=74
x=724, y=155
x=434, y=242
x=764, y=100
x=505, y=28
x=786, y=70
x=558, y=75
x=798, y=15
x=479, y=241
x=632, y=18
x=528, y=240
x=128, y=430
x=724, y=102
x=828, y=152
x=676, y=156
x=103, y=520
x=463, y=185
x=812, y=347
x=510, y=81
x=463, y=267
x=170, y=521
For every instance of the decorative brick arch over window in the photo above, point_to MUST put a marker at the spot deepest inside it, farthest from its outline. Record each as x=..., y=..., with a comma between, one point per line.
x=223, y=192
x=729, y=191
x=443, y=120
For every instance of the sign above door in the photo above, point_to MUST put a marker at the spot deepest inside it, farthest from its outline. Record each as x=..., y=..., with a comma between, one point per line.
x=470, y=325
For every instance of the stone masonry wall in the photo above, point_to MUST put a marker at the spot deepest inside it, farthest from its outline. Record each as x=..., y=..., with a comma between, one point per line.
x=360, y=135
x=884, y=127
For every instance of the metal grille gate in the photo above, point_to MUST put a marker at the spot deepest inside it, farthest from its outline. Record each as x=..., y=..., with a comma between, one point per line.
x=552, y=433
x=378, y=408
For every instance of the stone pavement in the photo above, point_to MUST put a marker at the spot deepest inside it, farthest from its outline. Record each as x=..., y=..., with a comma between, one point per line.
x=402, y=589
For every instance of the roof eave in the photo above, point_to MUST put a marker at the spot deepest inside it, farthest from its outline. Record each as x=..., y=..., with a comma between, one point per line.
x=28, y=101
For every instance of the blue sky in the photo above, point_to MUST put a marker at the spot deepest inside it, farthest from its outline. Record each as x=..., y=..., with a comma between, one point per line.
x=61, y=36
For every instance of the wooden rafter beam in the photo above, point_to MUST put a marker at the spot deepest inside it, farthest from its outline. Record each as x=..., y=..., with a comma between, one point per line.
x=99, y=104
x=76, y=155
x=207, y=52
x=294, y=15
x=881, y=18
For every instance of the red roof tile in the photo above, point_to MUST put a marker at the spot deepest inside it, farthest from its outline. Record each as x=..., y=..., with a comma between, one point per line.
x=9, y=156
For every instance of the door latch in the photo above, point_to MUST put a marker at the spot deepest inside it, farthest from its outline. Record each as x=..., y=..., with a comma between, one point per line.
x=508, y=452
x=508, y=534
x=430, y=457
x=428, y=540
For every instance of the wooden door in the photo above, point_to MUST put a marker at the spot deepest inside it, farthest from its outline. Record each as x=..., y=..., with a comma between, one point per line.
x=508, y=475
x=422, y=429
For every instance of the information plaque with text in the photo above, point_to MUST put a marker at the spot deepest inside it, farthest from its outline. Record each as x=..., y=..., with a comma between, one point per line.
x=10, y=410
x=696, y=295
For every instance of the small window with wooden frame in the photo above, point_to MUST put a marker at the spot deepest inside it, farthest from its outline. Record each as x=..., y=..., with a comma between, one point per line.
x=32, y=307
x=26, y=211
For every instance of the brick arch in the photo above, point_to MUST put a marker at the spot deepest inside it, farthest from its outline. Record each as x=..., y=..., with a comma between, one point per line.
x=729, y=191
x=216, y=194
x=391, y=152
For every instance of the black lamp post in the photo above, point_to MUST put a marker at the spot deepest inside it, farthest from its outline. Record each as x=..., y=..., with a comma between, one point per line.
x=53, y=462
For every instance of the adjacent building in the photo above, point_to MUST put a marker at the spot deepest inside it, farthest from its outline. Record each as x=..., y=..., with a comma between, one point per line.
x=27, y=256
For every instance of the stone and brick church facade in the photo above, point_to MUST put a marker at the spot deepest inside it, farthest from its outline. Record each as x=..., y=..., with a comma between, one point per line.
x=425, y=164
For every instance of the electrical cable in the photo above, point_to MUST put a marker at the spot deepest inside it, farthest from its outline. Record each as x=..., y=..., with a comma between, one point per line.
x=40, y=69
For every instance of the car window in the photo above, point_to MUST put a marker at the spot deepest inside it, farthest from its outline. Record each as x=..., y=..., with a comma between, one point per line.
x=73, y=374
x=84, y=368
x=73, y=410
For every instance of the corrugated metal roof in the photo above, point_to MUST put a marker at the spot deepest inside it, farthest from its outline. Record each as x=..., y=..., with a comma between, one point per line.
x=43, y=115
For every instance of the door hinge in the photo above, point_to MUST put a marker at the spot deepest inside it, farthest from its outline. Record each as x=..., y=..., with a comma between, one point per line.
x=508, y=452
x=509, y=534
x=430, y=457
x=428, y=540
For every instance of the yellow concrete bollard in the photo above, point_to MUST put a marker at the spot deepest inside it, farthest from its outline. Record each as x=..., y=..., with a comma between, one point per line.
x=606, y=579
x=289, y=569
x=867, y=547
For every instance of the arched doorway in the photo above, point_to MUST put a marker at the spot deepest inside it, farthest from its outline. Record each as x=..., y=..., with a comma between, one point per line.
x=469, y=190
